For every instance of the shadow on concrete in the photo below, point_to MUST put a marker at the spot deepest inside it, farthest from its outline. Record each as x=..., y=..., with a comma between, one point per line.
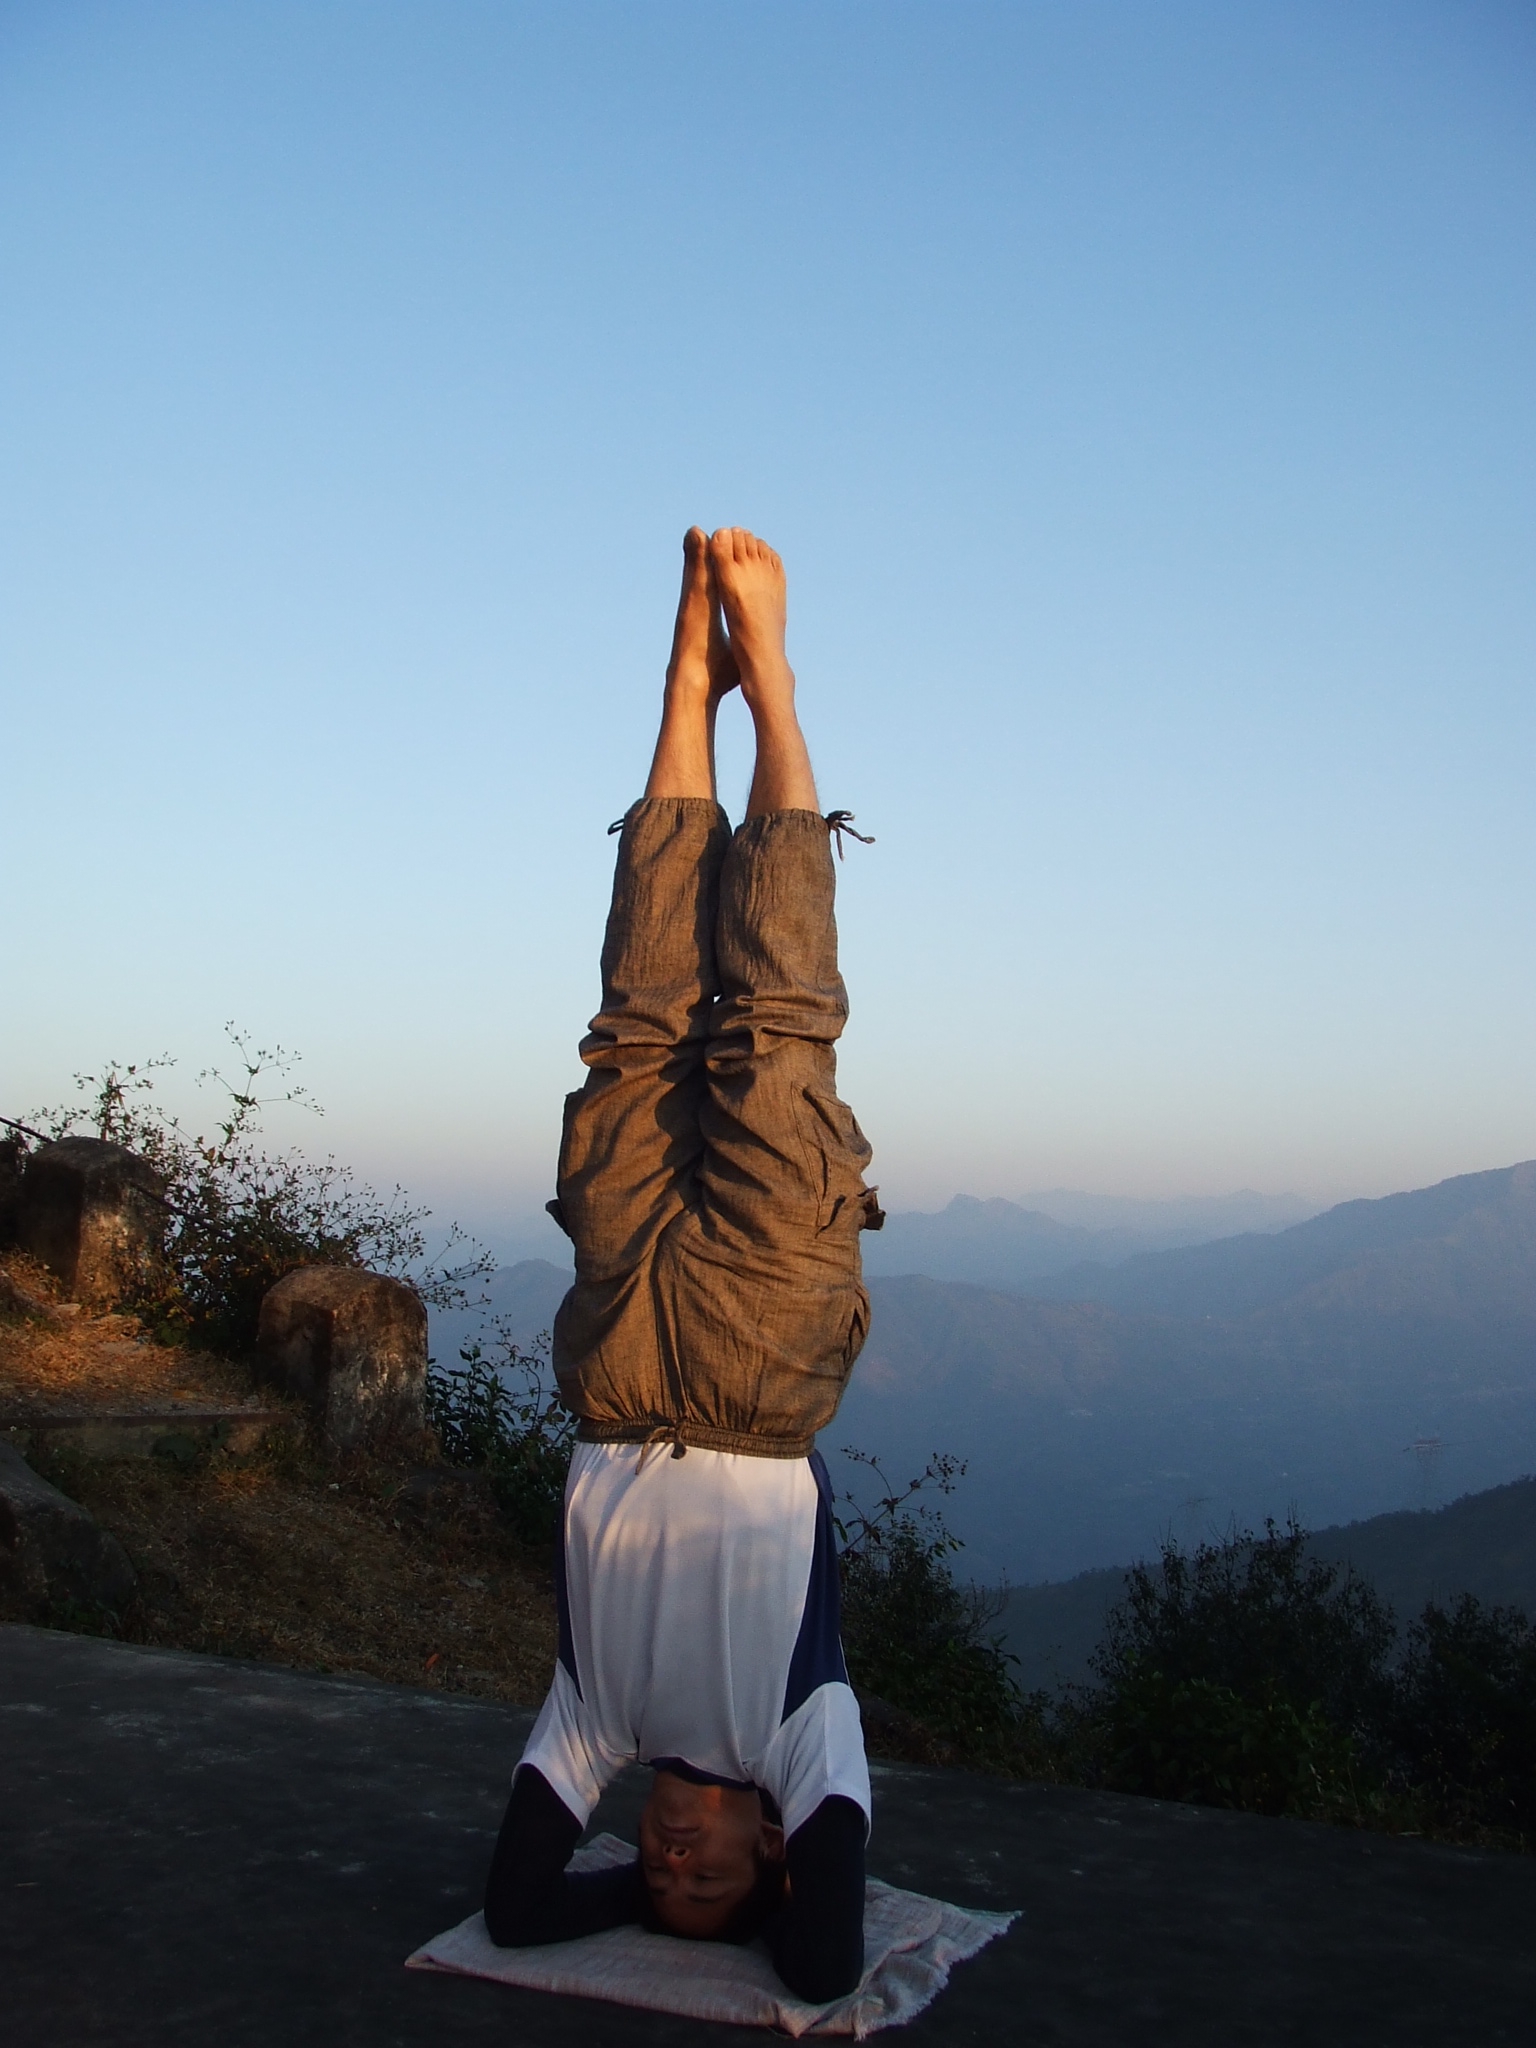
x=198, y=1851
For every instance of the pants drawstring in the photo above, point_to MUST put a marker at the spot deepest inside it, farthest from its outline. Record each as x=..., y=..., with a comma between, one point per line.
x=841, y=822
x=664, y=1433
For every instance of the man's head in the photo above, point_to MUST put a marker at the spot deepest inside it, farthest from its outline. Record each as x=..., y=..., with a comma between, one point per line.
x=705, y=1852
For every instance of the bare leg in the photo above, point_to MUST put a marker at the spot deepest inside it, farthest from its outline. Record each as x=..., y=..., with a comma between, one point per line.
x=750, y=579
x=701, y=671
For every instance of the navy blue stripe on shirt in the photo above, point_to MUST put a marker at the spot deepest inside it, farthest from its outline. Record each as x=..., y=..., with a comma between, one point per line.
x=818, y=1654
x=567, y=1650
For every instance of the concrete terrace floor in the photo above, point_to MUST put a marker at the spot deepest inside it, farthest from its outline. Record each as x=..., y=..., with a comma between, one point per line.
x=197, y=1851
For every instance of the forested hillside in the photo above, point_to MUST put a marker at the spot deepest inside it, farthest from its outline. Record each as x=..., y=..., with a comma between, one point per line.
x=1484, y=1544
x=1242, y=1377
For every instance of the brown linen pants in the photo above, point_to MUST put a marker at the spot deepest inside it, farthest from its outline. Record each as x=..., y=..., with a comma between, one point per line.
x=710, y=1178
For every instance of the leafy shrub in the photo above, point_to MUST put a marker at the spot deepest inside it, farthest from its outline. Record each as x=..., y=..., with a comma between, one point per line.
x=1246, y=1674
x=1196, y=1740
x=239, y=1217
x=911, y=1634
x=500, y=1414
x=1257, y=1615
x=1251, y=1675
x=1464, y=1716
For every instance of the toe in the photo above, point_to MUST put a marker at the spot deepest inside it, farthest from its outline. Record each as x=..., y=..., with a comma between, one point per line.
x=695, y=562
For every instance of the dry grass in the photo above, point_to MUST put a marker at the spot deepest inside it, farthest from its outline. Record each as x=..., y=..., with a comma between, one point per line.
x=375, y=1567
x=263, y=1559
x=70, y=1361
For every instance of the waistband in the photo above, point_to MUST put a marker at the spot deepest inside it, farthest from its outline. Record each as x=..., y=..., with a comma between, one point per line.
x=683, y=1436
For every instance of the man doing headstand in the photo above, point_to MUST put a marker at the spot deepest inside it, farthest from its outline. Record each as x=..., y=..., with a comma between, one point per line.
x=712, y=1183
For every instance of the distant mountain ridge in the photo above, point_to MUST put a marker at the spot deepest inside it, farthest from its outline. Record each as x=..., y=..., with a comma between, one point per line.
x=1484, y=1544
x=1185, y=1219
x=523, y=1297
x=1238, y=1377
x=1102, y=1406
x=998, y=1243
x=1240, y=1275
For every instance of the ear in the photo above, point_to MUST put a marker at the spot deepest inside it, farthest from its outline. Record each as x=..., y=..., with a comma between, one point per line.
x=770, y=1843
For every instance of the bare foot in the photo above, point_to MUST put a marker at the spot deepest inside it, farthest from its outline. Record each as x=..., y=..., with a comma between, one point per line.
x=750, y=580
x=700, y=672
x=693, y=634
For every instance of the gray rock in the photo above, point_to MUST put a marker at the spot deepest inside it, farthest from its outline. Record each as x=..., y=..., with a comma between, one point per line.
x=51, y=1550
x=95, y=1214
x=13, y=1162
x=351, y=1345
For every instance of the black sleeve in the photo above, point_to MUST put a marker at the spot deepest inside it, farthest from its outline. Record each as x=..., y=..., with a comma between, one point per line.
x=530, y=1896
x=817, y=1939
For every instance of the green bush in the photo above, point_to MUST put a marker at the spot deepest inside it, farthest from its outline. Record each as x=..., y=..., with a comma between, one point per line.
x=912, y=1634
x=1250, y=1675
x=1463, y=1725
x=501, y=1415
x=1246, y=1674
x=1195, y=1740
x=1259, y=1616
x=238, y=1217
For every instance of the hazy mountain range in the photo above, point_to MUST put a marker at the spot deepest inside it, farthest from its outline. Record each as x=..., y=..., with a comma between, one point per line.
x=1128, y=1393
x=1483, y=1544
x=995, y=1243
x=1243, y=1377
x=1014, y=1244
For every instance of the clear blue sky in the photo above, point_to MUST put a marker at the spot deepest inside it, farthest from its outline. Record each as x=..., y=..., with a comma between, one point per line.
x=1141, y=395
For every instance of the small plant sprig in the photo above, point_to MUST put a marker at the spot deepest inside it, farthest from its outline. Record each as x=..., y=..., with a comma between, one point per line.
x=864, y=1525
x=912, y=1634
x=502, y=1414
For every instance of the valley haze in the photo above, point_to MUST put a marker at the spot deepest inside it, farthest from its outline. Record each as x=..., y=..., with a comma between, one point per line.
x=1105, y=1394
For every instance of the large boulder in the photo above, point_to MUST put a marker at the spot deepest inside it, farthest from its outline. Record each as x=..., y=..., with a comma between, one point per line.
x=13, y=1162
x=353, y=1346
x=95, y=1213
x=51, y=1551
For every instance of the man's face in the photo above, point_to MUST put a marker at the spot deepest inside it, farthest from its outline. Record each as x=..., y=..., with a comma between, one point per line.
x=699, y=1852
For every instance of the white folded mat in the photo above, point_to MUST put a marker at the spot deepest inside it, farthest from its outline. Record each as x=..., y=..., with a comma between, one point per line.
x=910, y=1944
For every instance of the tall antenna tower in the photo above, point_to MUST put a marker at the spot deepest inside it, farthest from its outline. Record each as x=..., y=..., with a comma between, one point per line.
x=1426, y=1455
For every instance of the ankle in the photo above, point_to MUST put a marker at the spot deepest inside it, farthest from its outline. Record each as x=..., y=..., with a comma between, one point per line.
x=769, y=688
x=686, y=683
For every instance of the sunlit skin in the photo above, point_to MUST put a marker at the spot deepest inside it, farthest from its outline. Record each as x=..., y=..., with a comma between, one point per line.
x=730, y=631
x=701, y=1847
